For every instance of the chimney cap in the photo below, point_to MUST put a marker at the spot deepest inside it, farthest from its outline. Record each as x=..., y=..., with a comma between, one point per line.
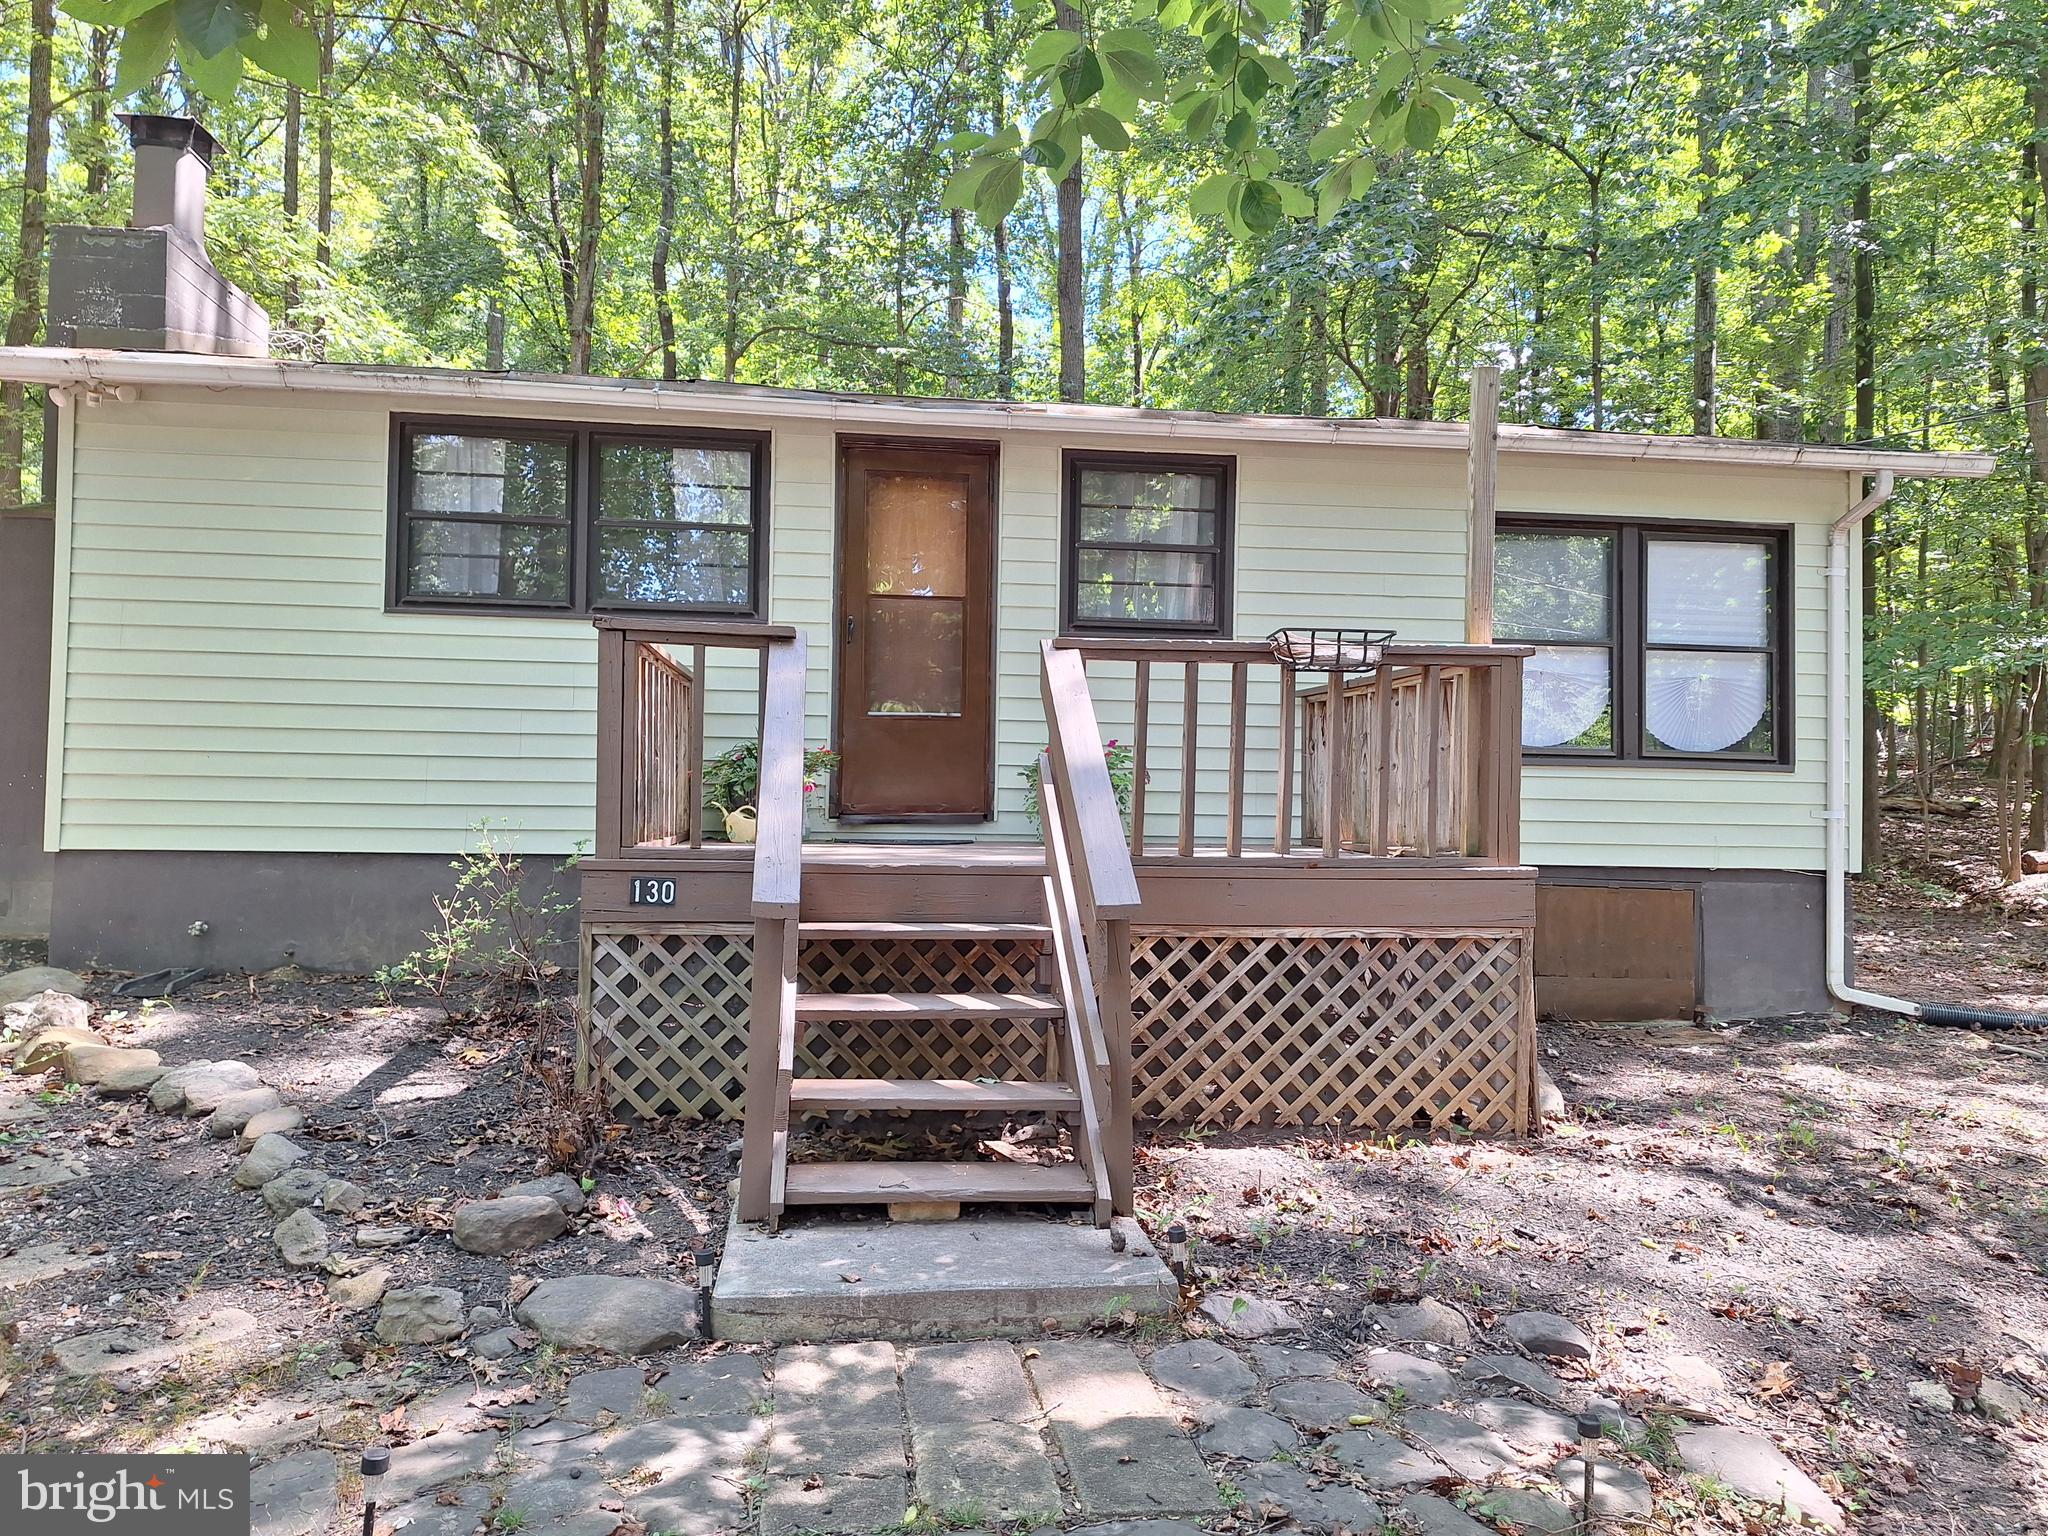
x=149, y=128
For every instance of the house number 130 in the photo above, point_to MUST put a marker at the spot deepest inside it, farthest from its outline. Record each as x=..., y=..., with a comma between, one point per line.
x=651, y=892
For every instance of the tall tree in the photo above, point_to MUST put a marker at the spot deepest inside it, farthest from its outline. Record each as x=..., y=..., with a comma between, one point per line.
x=25, y=311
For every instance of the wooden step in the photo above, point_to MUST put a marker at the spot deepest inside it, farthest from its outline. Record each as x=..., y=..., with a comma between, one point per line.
x=891, y=1183
x=927, y=1005
x=1029, y=933
x=947, y=1094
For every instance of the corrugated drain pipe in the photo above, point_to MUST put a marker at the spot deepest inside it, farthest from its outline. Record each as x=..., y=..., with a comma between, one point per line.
x=1840, y=711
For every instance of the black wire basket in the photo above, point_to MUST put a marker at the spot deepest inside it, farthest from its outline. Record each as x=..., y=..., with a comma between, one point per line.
x=1329, y=650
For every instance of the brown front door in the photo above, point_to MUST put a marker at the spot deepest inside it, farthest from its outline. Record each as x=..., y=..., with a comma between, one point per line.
x=916, y=645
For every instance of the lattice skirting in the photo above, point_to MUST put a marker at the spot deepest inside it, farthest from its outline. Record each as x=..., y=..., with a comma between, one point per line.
x=1378, y=1030
x=665, y=1014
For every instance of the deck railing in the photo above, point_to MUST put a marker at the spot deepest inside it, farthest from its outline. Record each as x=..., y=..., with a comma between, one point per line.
x=651, y=689
x=650, y=802
x=1091, y=889
x=1428, y=740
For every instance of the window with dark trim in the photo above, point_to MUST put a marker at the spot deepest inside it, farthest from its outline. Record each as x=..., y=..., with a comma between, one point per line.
x=522, y=517
x=1655, y=641
x=1147, y=544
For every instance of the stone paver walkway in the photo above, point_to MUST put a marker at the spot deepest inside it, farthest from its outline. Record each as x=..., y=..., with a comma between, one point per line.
x=1086, y=1434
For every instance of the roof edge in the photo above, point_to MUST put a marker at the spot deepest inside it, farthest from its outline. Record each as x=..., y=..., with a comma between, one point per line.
x=90, y=369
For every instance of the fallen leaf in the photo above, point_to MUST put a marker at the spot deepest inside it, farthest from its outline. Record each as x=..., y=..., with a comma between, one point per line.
x=1777, y=1379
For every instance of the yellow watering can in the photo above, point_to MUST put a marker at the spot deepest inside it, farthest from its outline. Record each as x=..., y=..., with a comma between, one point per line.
x=740, y=825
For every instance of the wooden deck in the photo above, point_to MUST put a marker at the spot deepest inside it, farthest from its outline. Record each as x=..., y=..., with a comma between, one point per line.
x=1355, y=949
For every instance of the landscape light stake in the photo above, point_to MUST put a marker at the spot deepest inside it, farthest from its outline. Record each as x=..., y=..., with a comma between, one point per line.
x=706, y=1260
x=1177, y=1251
x=1589, y=1436
x=376, y=1462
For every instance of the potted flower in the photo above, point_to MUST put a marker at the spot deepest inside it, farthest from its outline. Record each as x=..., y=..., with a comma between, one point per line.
x=1123, y=778
x=732, y=785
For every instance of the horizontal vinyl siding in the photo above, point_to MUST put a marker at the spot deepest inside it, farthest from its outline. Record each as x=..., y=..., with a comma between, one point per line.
x=233, y=681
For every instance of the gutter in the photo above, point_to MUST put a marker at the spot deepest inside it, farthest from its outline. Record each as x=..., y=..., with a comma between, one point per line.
x=92, y=375
x=1840, y=712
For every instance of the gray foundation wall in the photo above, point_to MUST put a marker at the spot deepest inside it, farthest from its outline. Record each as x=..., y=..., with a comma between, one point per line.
x=134, y=911
x=27, y=552
x=1761, y=935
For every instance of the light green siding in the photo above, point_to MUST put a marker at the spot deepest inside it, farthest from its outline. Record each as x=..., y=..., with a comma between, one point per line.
x=231, y=679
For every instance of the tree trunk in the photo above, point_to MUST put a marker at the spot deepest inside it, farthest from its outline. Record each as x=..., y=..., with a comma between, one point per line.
x=1706, y=270
x=294, y=128
x=1071, y=292
x=323, y=152
x=2034, y=165
x=956, y=301
x=736, y=44
x=98, y=153
x=1863, y=358
x=664, y=233
x=1006, y=312
x=1596, y=305
x=25, y=314
x=590, y=122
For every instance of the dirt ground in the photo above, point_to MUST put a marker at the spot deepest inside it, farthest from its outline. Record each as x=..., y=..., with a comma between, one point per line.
x=1783, y=1224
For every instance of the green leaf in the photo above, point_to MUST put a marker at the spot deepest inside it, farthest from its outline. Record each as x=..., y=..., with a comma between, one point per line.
x=1104, y=129
x=999, y=191
x=1346, y=180
x=1048, y=48
x=215, y=77
x=1222, y=53
x=211, y=28
x=1295, y=201
x=1118, y=102
x=284, y=48
x=1132, y=61
x=108, y=13
x=964, y=185
x=1424, y=124
x=145, y=50
x=1081, y=76
x=1201, y=120
x=1174, y=14
x=1342, y=134
x=1254, y=207
x=965, y=140
x=1241, y=131
x=1211, y=194
x=1252, y=79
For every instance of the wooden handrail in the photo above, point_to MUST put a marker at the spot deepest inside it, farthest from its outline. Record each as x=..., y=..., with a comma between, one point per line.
x=1088, y=1056
x=659, y=631
x=779, y=800
x=1107, y=883
x=1096, y=1068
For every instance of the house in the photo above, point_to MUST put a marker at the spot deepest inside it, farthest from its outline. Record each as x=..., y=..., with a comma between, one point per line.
x=308, y=623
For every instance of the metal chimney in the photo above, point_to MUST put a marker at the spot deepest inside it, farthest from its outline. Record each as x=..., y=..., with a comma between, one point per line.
x=172, y=157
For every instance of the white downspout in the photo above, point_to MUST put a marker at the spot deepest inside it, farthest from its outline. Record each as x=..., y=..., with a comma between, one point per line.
x=1841, y=696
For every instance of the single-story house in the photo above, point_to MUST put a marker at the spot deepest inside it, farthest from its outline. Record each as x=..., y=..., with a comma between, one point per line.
x=307, y=624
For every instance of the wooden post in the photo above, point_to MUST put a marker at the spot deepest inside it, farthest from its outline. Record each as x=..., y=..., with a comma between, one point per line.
x=1485, y=487
x=611, y=750
x=1114, y=978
